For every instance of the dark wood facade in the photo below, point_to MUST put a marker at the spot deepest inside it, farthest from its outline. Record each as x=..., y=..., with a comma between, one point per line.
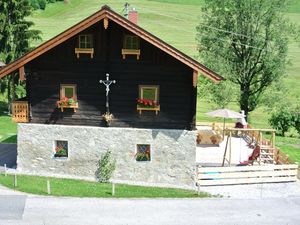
x=155, y=67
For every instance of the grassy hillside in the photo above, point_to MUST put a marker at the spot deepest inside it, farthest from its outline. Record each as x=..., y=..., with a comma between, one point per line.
x=174, y=21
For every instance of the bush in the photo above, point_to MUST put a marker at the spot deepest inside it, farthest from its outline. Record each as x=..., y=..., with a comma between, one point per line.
x=106, y=167
x=297, y=121
x=282, y=120
x=42, y=4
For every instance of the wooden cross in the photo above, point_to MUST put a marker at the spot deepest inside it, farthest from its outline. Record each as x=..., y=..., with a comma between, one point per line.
x=107, y=83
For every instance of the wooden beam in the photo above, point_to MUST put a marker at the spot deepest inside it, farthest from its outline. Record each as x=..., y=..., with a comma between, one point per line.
x=105, y=23
x=22, y=73
x=195, y=78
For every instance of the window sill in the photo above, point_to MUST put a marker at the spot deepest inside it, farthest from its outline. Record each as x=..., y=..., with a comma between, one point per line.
x=136, y=52
x=142, y=108
x=73, y=106
x=79, y=51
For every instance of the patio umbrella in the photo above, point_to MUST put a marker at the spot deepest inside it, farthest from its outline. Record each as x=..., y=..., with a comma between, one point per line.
x=225, y=113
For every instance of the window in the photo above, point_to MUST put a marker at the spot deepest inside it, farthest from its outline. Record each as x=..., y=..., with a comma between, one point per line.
x=131, y=46
x=61, y=149
x=149, y=92
x=85, y=45
x=85, y=41
x=68, y=91
x=68, y=97
x=148, y=99
x=131, y=42
x=143, y=153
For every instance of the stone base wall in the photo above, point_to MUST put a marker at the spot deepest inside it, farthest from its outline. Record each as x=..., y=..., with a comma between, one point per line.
x=172, y=153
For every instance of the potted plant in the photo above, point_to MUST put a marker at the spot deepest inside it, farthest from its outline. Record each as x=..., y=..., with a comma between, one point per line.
x=60, y=152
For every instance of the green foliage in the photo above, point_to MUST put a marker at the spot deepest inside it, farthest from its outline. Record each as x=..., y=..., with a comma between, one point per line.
x=245, y=41
x=106, y=167
x=296, y=120
x=222, y=94
x=282, y=120
x=15, y=38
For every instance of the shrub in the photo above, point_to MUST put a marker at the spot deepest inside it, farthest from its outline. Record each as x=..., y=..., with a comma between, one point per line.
x=297, y=121
x=281, y=120
x=106, y=167
x=42, y=4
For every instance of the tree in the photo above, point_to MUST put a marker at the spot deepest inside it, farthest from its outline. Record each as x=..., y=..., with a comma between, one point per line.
x=282, y=120
x=15, y=37
x=246, y=42
x=106, y=167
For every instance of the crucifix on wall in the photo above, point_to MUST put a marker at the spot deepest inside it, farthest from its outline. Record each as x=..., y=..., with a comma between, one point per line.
x=107, y=83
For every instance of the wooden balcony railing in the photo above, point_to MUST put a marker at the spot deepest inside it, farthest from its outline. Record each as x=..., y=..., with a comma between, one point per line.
x=20, y=111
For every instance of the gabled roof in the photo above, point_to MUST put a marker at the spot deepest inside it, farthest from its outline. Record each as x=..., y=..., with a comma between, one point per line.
x=106, y=12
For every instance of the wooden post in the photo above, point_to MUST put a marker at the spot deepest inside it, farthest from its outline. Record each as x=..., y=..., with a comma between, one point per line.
x=273, y=139
x=113, y=189
x=22, y=73
x=260, y=143
x=224, y=156
x=15, y=180
x=230, y=147
x=48, y=187
x=5, y=172
x=198, y=189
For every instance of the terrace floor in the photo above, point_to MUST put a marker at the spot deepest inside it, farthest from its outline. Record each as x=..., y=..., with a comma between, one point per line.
x=212, y=155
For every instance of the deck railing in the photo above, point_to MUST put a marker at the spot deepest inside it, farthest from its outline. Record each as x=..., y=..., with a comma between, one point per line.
x=20, y=111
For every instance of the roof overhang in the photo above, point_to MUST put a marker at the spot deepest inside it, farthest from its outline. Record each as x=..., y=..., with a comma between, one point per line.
x=106, y=12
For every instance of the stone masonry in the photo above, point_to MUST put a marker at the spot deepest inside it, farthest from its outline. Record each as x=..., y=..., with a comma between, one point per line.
x=172, y=153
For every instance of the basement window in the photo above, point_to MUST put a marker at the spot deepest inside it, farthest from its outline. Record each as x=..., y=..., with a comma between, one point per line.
x=61, y=149
x=131, y=46
x=85, y=45
x=143, y=153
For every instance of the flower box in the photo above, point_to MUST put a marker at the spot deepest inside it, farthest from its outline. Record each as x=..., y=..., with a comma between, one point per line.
x=147, y=105
x=67, y=103
x=140, y=109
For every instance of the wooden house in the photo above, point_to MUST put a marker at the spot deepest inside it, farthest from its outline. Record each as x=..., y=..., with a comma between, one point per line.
x=106, y=83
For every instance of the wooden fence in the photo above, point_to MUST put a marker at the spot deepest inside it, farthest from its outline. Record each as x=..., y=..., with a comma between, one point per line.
x=20, y=111
x=207, y=176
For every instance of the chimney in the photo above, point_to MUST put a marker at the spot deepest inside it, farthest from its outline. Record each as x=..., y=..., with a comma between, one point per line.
x=133, y=16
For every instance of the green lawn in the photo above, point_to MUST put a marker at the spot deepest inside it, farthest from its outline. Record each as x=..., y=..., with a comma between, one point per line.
x=79, y=188
x=8, y=130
